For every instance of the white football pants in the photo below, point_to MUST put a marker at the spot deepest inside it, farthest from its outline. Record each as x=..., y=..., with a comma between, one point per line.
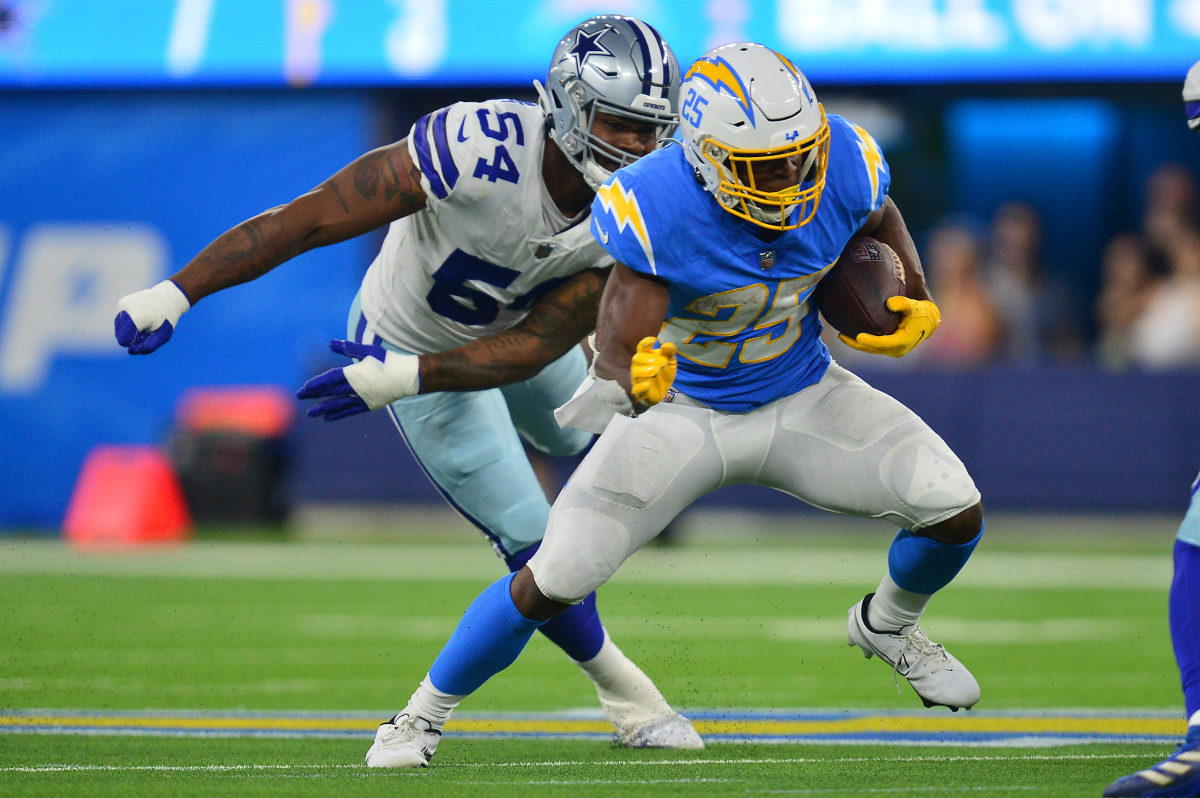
x=839, y=445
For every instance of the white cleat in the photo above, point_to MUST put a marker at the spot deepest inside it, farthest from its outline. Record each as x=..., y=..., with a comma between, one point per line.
x=938, y=678
x=637, y=710
x=673, y=732
x=404, y=741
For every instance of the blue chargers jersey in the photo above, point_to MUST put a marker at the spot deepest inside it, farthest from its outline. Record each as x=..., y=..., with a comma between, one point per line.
x=739, y=306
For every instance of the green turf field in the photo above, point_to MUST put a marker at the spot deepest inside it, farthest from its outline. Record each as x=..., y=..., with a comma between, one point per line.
x=261, y=666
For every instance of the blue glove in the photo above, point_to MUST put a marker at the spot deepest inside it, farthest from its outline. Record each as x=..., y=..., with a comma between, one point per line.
x=378, y=378
x=146, y=319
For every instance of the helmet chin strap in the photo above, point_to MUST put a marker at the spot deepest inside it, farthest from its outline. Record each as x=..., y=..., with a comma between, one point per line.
x=772, y=215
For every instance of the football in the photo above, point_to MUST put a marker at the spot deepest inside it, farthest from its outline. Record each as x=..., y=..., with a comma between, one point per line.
x=852, y=296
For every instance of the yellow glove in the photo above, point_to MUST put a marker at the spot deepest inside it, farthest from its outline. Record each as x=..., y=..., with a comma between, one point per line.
x=652, y=371
x=921, y=318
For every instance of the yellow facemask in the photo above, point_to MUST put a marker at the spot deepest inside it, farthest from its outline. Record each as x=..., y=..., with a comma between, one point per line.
x=771, y=209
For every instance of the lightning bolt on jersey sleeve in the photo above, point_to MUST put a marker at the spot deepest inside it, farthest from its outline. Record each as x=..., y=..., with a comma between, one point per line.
x=858, y=173
x=621, y=228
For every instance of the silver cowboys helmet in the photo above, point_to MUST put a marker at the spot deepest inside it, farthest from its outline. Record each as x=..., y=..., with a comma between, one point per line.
x=744, y=104
x=612, y=64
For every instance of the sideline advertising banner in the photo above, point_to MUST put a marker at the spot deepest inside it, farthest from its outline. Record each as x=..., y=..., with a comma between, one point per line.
x=406, y=42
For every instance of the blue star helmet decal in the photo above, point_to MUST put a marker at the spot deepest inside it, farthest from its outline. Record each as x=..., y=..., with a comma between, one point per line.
x=586, y=45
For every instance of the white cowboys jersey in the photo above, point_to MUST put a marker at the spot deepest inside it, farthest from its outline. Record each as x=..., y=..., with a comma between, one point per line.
x=482, y=252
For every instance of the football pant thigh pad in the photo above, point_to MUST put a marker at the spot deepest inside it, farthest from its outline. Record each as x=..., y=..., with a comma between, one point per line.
x=846, y=447
x=640, y=475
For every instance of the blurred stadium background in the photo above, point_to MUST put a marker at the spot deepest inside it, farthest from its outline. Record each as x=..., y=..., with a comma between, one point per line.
x=135, y=131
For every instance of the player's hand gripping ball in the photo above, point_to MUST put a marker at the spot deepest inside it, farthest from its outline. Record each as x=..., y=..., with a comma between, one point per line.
x=920, y=317
x=853, y=295
x=652, y=371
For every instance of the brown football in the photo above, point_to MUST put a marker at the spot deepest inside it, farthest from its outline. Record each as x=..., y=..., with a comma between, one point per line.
x=853, y=295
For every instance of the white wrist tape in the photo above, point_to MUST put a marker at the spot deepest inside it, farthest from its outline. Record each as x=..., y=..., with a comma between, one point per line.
x=150, y=307
x=594, y=404
x=381, y=382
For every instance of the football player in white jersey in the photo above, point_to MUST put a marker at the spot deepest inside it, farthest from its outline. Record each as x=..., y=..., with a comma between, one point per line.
x=468, y=323
x=719, y=244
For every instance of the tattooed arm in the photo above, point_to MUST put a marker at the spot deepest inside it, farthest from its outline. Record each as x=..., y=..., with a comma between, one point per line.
x=379, y=187
x=557, y=322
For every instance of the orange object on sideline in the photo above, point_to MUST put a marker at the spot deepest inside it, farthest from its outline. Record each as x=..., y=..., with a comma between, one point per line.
x=264, y=411
x=127, y=495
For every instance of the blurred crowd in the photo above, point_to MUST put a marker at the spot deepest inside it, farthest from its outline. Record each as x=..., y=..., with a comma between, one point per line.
x=1002, y=303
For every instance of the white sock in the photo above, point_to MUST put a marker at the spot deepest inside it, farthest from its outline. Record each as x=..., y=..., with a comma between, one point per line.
x=432, y=704
x=628, y=696
x=615, y=675
x=893, y=607
x=609, y=667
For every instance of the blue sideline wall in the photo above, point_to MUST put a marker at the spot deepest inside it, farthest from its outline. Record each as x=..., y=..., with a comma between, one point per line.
x=104, y=193
x=107, y=192
x=1035, y=439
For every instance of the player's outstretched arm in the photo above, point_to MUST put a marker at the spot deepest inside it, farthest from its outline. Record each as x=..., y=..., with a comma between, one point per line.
x=557, y=322
x=920, y=316
x=379, y=187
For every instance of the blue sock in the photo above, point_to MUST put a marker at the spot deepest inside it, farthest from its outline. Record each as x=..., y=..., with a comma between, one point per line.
x=1185, y=621
x=577, y=631
x=487, y=640
x=924, y=565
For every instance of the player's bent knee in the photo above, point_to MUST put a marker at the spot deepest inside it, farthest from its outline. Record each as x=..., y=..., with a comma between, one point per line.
x=567, y=567
x=530, y=601
x=930, y=483
x=960, y=528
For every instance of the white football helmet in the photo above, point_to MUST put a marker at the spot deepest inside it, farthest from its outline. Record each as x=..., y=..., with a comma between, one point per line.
x=743, y=104
x=617, y=65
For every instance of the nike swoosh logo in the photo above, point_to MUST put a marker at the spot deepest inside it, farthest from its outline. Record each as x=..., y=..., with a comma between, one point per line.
x=462, y=125
x=603, y=236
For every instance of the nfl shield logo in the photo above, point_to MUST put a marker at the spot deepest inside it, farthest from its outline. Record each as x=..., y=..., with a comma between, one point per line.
x=766, y=259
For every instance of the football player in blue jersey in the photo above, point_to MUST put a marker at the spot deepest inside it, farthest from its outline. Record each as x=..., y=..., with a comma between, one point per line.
x=468, y=323
x=710, y=371
x=1178, y=776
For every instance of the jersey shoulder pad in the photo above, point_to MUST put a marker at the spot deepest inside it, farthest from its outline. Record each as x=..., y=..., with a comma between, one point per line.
x=466, y=140
x=857, y=166
x=621, y=225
